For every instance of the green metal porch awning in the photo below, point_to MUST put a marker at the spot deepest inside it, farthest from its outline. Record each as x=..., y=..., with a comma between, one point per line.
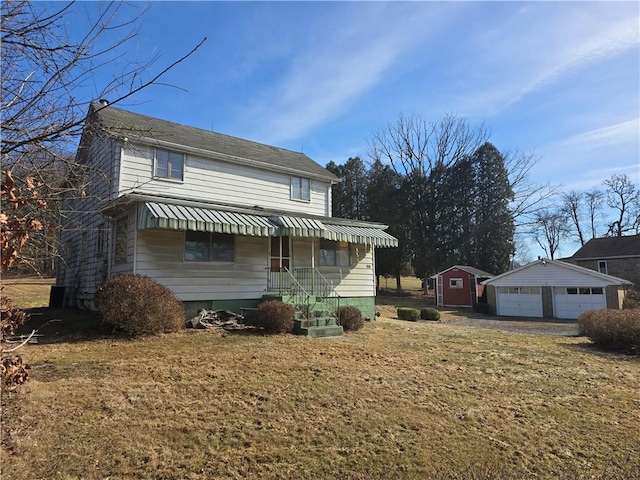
x=179, y=217
x=299, y=226
x=366, y=235
x=182, y=217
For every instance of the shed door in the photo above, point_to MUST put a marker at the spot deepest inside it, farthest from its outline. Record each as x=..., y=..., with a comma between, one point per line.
x=570, y=302
x=519, y=301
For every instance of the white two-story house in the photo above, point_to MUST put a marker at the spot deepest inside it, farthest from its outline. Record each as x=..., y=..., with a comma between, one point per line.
x=221, y=221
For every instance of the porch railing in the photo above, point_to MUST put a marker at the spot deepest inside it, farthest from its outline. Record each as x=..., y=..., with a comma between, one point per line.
x=313, y=281
x=303, y=284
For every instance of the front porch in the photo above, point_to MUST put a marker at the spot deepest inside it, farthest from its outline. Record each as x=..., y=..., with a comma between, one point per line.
x=316, y=302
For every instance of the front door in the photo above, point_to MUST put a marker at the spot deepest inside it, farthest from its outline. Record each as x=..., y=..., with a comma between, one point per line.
x=280, y=253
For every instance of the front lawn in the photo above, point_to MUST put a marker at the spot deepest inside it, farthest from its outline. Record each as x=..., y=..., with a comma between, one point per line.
x=397, y=400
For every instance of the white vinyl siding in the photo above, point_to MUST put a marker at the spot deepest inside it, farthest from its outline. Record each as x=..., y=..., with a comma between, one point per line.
x=354, y=280
x=84, y=228
x=549, y=275
x=218, y=181
x=160, y=255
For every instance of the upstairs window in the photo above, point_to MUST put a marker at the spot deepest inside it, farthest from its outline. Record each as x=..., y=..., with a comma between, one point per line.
x=602, y=266
x=209, y=247
x=300, y=188
x=334, y=253
x=169, y=165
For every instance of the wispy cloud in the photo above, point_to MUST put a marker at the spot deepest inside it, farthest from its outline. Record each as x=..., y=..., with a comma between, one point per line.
x=619, y=134
x=352, y=53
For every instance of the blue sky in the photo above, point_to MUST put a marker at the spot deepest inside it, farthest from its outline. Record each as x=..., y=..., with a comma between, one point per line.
x=561, y=79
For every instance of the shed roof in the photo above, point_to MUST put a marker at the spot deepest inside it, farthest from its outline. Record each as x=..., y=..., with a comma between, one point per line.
x=466, y=268
x=132, y=125
x=609, y=247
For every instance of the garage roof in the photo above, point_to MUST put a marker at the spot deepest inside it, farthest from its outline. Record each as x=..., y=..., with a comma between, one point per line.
x=545, y=272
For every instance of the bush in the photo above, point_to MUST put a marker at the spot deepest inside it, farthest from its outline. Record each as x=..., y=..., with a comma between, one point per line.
x=429, y=314
x=139, y=305
x=481, y=307
x=275, y=316
x=350, y=318
x=615, y=330
x=631, y=300
x=411, y=314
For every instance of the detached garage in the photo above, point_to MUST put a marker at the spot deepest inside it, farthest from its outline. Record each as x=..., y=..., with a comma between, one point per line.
x=553, y=289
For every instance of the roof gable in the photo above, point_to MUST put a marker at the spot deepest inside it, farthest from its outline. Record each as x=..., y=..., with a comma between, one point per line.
x=465, y=268
x=545, y=272
x=609, y=247
x=123, y=123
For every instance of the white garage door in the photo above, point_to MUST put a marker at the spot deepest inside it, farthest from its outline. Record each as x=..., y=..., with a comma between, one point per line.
x=519, y=301
x=570, y=302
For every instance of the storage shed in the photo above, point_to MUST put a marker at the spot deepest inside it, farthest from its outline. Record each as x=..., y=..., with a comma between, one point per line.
x=459, y=286
x=553, y=289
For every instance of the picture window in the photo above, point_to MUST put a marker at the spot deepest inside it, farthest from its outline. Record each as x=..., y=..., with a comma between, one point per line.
x=209, y=247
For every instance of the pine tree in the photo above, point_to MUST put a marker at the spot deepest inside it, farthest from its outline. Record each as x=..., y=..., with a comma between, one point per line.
x=494, y=225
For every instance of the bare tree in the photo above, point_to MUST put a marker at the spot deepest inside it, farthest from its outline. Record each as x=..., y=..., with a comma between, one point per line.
x=594, y=199
x=623, y=197
x=572, y=206
x=551, y=229
x=43, y=70
x=529, y=198
x=421, y=153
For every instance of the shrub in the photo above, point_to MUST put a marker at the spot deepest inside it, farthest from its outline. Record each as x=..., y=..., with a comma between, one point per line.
x=275, y=316
x=429, y=314
x=350, y=318
x=139, y=305
x=481, y=307
x=411, y=314
x=615, y=330
x=631, y=300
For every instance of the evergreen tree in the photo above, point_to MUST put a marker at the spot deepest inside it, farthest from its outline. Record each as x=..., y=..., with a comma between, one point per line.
x=385, y=205
x=494, y=224
x=349, y=196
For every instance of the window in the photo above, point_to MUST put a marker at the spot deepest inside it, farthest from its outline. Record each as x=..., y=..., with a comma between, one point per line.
x=602, y=266
x=209, y=247
x=300, y=188
x=280, y=256
x=334, y=253
x=121, y=240
x=101, y=241
x=169, y=164
x=455, y=283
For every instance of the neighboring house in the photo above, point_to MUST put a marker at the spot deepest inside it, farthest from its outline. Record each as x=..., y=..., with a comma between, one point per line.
x=553, y=289
x=617, y=256
x=459, y=286
x=219, y=220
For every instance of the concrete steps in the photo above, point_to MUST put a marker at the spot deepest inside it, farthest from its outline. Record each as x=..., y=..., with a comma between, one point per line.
x=314, y=320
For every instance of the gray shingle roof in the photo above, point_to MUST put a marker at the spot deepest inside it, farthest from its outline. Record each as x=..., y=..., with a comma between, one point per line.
x=125, y=123
x=601, y=248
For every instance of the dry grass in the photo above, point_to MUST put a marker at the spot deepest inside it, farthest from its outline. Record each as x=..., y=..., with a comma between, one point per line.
x=28, y=292
x=396, y=400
